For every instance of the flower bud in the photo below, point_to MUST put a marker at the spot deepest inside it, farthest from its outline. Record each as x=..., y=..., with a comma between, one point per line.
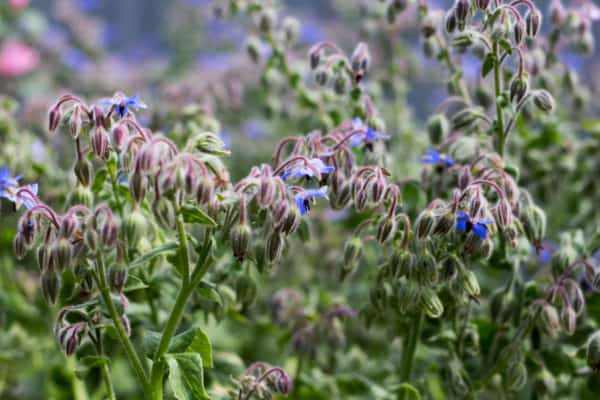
x=533, y=20
x=164, y=212
x=518, y=89
x=266, y=20
x=386, y=229
x=135, y=227
x=54, y=117
x=137, y=186
x=424, y=224
x=426, y=269
x=291, y=29
x=284, y=384
x=340, y=84
x=315, y=57
x=431, y=303
x=68, y=224
x=515, y=377
x=83, y=171
x=533, y=219
x=19, y=245
x=245, y=289
x=482, y=4
x=408, y=296
x=90, y=237
x=361, y=58
x=593, y=351
x=109, y=234
x=461, y=10
x=428, y=25
x=322, y=75
x=266, y=192
x=75, y=122
x=568, y=318
x=558, y=14
x=503, y=213
x=274, y=246
x=450, y=267
x=253, y=46
x=50, y=283
x=119, y=134
x=240, y=241
x=117, y=278
x=518, y=32
x=444, y=224
x=437, y=128
x=352, y=253
x=550, y=318
x=379, y=297
x=470, y=284
x=450, y=21
x=464, y=119
x=80, y=195
x=292, y=222
x=204, y=190
x=100, y=142
x=62, y=254
x=43, y=257
x=543, y=100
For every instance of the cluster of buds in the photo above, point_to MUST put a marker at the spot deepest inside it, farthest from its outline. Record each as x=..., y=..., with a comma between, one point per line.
x=565, y=302
x=262, y=381
x=63, y=240
x=575, y=22
x=332, y=67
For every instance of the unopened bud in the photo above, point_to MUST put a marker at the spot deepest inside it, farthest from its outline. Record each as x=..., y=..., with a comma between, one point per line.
x=503, y=213
x=253, y=46
x=164, y=212
x=515, y=377
x=386, y=229
x=90, y=237
x=266, y=192
x=119, y=134
x=533, y=21
x=245, y=289
x=593, y=351
x=352, y=253
x=240, y=241
x=428, y=25
x=465, y=178
x=118, y=278
x=450, y=21
x=284, y=384
x=424, y=224
x=533, y=219
x=518, y=32
x=266, y=20
x=83, y=171
x=54, y=117
x=109, y=234
x=379, y=297
x=291, y=29
x=75, y=122
x=315, y=57
x=322, y=75
x=19, y=246
x=43, y=257
x=437, y=128
x=361, y=58
x=482, y=4
x=431, y=303
x=471, y=284
x=543, y=100
x=100, y=142
x=135, y=227
x=550, y=318
x=292, y=222
x=568, y=318
x=50, y=283
x=518, y=89
x=274, y=246
x=461, y=9
x=137, y=186
x=62, y=254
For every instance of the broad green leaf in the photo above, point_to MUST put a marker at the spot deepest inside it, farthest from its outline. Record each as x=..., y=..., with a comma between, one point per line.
x=158, y=251
x=193, y=340
x=488, y=64
x=505, y=44
x=195, y=215
x=87, y=363
x=99, y=179
x=209, y=292
x=134, y=283
x=186, y=376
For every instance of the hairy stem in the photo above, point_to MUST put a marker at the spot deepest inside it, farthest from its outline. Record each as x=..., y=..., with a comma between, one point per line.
x=498, y=91
x=409, y=347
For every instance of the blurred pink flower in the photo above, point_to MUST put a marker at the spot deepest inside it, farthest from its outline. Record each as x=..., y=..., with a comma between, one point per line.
x=17, y=59
x=18, y=4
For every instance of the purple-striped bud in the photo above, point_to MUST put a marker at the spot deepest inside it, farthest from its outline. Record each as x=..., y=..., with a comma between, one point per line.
x=482, y=4
x=240, y=241
x=377, y=190
x=164, y=212
x=274, y=246
x=204, y=190
x=503, y=213
x=190, y=180
x=450, y=21
x=118, y=278
x=100, y=142
x=119, y=135
x=83, y=171
x=167, y=182
x=43, y=257
x=109, y=234
x=54, y=117
x=284, y=384
x=50, y=284
x=533, y=21
x=266, y=189
x=444, y=224
x=543, y=100
x=518, y=89
x=550, y=318
x=315, y=57
x=461, y=9
x=279, y=213
x=137, y=186
x=558, y=14
x=386, y=229
x=362, y=198
x=568, y=318
x=292, y=222
x=477, y=203
x=19, y=246
x=68, y=224
x=75, y=122
x=465, y=178
x=135, y=227
x=62, y=254
x=424, y=224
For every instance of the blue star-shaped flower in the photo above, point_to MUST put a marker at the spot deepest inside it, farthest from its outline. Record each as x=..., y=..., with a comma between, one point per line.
x=303, y=171
x=122, y=104
x=464, y=223
x=7, y=181
x=435, y=158
x=9, y=185
x=303, y=198
x=368, y=137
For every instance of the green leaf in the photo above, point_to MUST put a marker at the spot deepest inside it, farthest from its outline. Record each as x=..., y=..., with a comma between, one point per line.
x=99, y=179
x=193, y=340
x=488, y=64
x=505, y=44
x=195, y=215
x=134, y=283
x=208, y=291
x=87, y=363
x=158, y=251
x=186, y=376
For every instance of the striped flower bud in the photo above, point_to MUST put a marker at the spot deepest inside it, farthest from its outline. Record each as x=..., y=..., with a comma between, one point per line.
x=75, y=122
x=50, y=284
x=379, y=297
x=117, y=278
x=543, y=100
x=205, y=190
x=533, y=21
x=426, y=269
x=533, y=219
x=518, y=89
x=471, y=284
x=568, y=319
x=62, y=254
x=437, y=128
x=482, y=4
x=19, y=246
x=352, y=253
x=386, y=229
x=83, y=171
x=135, y=227
x=450, y=21
x=424, y=224
x=431, y=303
x=550, y=318
x=119, y=135
x=315, y=57
x=240, y=241
x=292, y=222
x=100, y=142
x=43, y=257
x=322, y=75
x=109, y=233
x=137, y=186
x=461, y=9
x=266, y=190
x=54, y=118
x=518, y=32
x=274, y=246
x=245, y=289
x=164, y=211
x=593, y=352
x=503, y=213
x=515, y=377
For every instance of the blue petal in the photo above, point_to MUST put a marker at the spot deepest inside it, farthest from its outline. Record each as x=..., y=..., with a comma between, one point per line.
x=480, y=230
x=4, y=173
x=300, y=204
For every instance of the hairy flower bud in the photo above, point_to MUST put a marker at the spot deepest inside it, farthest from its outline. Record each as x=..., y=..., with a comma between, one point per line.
x=205, y=190
x=593, y=351
x=50, y=284
x=19, y=246
x=465, y=178
x=43, y=257
x=117, y=278
x=245, y=289
x=291, y=29
x=322, y=75
x=274, y=246
x=533, y=21
x=75, y=122
x=409, y=296
x=54, y=118
x=515, y=377
x=109, y=234
x=137, y=186
x=424, y=224
x=431, y=303
x=386, y=229
x=266, y=191
x=438, y=128
x=90, y=237
x=240, y=241
x=450, y=21
x=100, y=142
x=482, y=4
x=550, y=319
x=518, y=32
x=518, y=89
x=266, y=20
x=533, y=219
x=62, y=254
x=471, y=284
x=340, y=84
x=568, y=318
x=444, y=224
x=164, y=211
x=83, y=171
x=135, y=227
x=292, y=222
x=315, y=57
x=461, y=9
x=503, y=213
x=379, y=297
x=426, y=269
x=68, y=224
x=352, y=253
x=543, y=100
x=119, y=135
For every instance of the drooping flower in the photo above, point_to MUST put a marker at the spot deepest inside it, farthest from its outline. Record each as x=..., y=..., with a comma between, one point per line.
x=435, y=158
x=303, y=171
x=367, y=135
x=303, y=199
x=464, y=223
x=122, y=104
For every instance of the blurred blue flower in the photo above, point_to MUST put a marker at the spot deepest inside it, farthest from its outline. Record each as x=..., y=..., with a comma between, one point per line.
x=7, y=181
x=38, y=151
x=303, y=199
x=303, y=171
x=254, y=128
x=311, y=33
x=464, y=223
x=545, y=251
x=368, y=137
x=9, y=187
x=76, y=59
x=89, y=5
x=435, y=158
x=122, y=104
x=471, y=66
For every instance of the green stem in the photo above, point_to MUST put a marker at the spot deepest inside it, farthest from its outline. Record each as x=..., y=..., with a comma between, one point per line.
x=114, y=315
x=110, y=390
x=498, y=90
x=410, y=347
x=77, y=387
x=296, y=382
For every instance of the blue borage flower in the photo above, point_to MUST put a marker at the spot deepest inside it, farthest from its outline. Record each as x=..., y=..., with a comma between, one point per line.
x=303, y=171
x=122, y=104
x=464, y=223
x=303, y=198
x=435, y=158
x=9, y=185
x=368, y=137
